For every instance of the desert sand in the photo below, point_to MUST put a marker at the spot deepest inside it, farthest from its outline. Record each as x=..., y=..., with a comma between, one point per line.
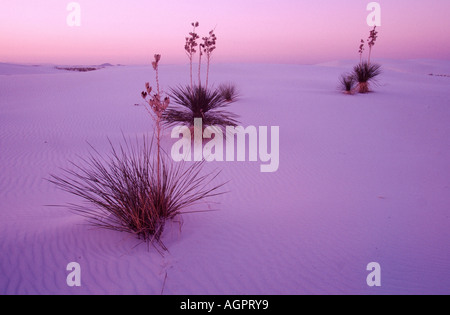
x=362, y=178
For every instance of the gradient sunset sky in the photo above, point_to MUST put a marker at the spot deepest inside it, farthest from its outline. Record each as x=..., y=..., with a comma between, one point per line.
x=283, y=31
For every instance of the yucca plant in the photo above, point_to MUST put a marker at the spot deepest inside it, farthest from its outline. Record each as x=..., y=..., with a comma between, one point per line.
x=366, y=74
x=125, y=191
x=347, y=83
x=229, y=92
x=201, y=102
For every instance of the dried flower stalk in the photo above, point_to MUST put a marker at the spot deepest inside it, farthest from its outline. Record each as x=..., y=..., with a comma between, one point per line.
x=189, y=47
x=361, y=50
x=371, y=40
x=157, y=106
x=209, y=45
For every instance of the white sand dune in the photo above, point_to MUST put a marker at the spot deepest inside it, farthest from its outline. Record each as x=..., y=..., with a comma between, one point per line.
x=362, y=179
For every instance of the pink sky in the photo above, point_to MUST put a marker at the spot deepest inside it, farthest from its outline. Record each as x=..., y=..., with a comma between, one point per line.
x=283, y=31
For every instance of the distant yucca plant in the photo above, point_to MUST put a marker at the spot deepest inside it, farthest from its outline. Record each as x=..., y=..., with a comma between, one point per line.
x=347, y=83
x=123, y=192
x=229, y=92
x=365, y=74
x=205, y=103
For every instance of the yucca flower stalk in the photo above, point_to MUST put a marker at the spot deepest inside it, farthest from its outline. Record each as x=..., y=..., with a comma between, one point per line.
x=209, y=45
x=200, y=54
x=371, y=41
x=156, y=108
x=190, y=47
x=361, y=50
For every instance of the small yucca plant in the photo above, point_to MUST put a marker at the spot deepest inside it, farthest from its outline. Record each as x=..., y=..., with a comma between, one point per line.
x=229, y=92
x=366, y=74
x=205, y=103
x=347, y=83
